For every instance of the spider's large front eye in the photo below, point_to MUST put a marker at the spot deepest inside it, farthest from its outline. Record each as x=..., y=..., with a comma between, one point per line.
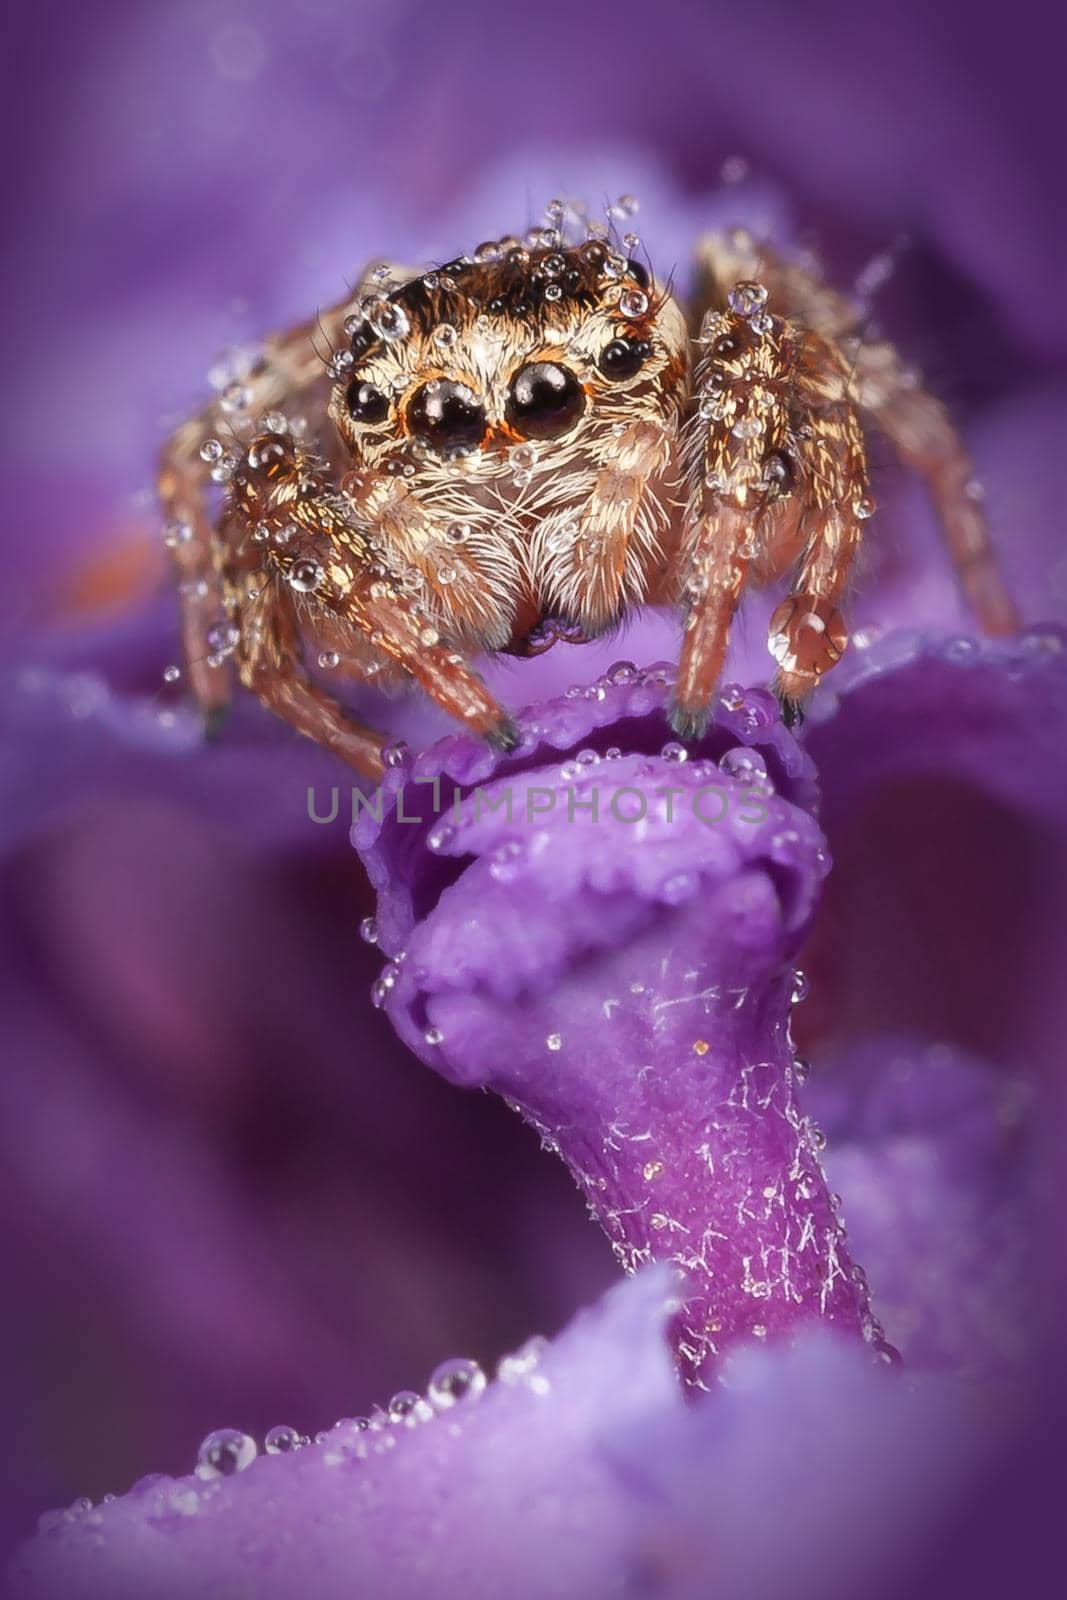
x=448, y=415
x=544, y=400
x=365, y=402
x=624, y=358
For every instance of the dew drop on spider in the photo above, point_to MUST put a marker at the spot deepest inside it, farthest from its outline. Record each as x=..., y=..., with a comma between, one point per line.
x=389, y=321
x=223, y=638
x=747, y=428
x=328, y=660
x=176, y=534
x=633, y=303
x=445, y=336
x=171, y=674
x=761, y=322
x=747, y=298
x=305, y=576
x=211, y=450
x=863, y=508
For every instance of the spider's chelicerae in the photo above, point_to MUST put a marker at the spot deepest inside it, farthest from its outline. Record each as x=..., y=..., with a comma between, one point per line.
x=527, y=443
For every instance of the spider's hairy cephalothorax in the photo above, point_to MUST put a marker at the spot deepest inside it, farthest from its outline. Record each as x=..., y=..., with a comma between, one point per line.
x=525, y=444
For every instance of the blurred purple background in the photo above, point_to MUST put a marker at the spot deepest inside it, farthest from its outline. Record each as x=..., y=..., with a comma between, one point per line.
x=230, y=1196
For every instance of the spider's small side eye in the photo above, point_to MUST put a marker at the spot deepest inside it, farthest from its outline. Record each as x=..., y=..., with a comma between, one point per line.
x=365, y=402
x=623, y=358
x=544, y=400
x=779, y=470
x=639, y=272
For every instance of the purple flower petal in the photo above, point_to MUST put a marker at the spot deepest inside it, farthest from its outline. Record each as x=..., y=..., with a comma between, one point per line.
x=578, y=1472
x=607, y=942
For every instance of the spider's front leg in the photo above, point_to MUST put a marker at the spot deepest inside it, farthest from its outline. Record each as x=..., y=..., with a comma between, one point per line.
x=777, y=475
x=916, y=423
x=322, y=573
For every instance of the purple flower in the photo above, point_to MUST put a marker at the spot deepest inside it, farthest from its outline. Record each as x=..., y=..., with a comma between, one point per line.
x=232, y=1195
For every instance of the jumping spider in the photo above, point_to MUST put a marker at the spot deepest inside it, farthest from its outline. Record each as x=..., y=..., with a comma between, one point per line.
x=524, y=444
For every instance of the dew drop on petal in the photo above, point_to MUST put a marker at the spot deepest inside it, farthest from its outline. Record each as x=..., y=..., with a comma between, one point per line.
x=454, y=1381
x=281, y=1439
x=408, y=1406
x=396, y=754
x=225, y=1452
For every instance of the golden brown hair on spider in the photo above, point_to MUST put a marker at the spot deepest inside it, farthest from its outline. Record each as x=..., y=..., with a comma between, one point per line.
x=530, y=442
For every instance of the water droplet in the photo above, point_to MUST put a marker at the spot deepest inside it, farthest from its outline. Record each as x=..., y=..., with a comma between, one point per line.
x=863, y=508
x=445, y=336
x=429, y=637
x=223, y=638
x=211, y=450
x=396, y=754
x=554, y=1041
x=801, y=1069
x=176, y=534
x=458, y=532
x=747, y=297
x=408, y=1407
x=281, y=1440
x=454, y=1381
x=440, y=837
x=328, y=660
x=305, y=575
x=678, y=887
x=433, y=1036
x=675, y=752
x=522, y=1364
x=761, y=322
x=368, y=930
x=801, y=986
x=633, y=303
x=734, y=170
x=389, y=320
x=171, y=674
x=225, y=1452
x=341, y=363
x=747, y=428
